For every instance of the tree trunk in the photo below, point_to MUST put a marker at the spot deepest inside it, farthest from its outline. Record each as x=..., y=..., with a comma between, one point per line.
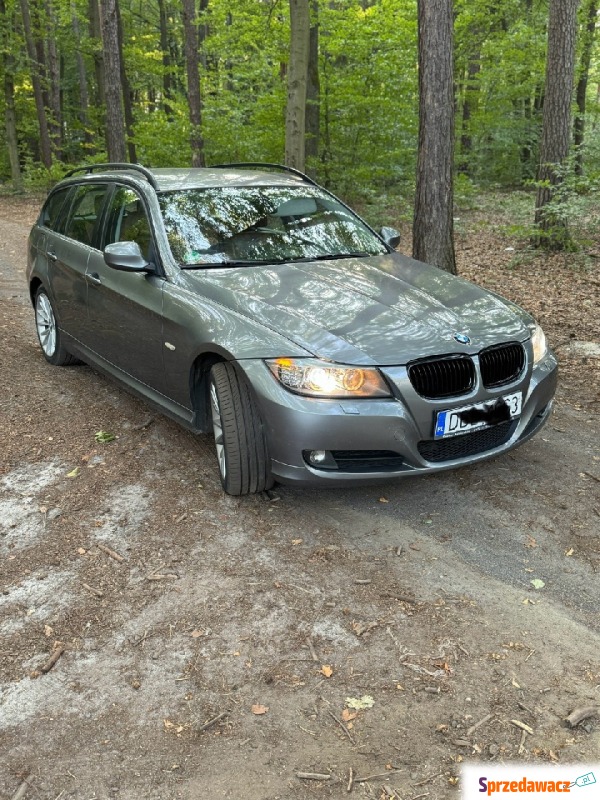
x=10, y=119
x=295, y=118
x=54, y=81
x=36, y=82
x=95, y=31
x=433, y=239
x=470, y=103
x=115, y=126
x=203, y=32
x=556, y=125
x=167, y=78
x=84, y=98
x=127, y=93
x=193, y=80
x=313, y=109
x=582, y=83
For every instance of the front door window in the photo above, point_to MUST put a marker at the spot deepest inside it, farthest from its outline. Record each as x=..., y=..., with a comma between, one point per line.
x=128, y=222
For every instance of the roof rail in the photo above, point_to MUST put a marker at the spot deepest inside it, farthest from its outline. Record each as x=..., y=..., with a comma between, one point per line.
x=280, y=167
x=89, y=168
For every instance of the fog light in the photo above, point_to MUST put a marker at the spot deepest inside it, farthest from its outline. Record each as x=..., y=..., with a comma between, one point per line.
x=317, y=456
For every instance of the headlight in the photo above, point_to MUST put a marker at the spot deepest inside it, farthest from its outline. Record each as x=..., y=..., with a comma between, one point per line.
x=538, y=342
x=321, y=379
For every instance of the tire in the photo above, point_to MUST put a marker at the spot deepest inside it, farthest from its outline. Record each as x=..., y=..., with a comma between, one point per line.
x=48, y=332
x=244, y=464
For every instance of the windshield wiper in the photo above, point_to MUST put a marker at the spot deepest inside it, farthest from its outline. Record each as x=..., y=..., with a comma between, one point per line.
x=333, y=256
x=274, y=261
x=225, y=264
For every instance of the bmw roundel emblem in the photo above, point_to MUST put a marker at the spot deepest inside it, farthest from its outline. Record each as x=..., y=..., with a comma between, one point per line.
x=462, y=338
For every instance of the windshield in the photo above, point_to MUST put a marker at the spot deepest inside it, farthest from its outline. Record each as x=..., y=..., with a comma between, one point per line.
x=262, y=224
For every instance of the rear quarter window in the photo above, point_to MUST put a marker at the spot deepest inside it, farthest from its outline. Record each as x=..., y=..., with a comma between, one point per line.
x=51, y=216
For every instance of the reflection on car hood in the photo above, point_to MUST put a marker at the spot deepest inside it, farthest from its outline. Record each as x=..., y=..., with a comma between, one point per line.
x=384, y=310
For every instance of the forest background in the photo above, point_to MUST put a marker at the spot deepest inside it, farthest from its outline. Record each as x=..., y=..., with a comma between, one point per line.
x=206, y=81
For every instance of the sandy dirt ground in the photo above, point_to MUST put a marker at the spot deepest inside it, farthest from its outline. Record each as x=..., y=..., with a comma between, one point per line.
x=216, y=647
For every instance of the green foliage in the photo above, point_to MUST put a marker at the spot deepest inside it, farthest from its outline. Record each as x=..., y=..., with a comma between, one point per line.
x=465, y=192
x=505, y=94
x=368, y=95
x=162, y=141
x=37, y=178
x=574, y=199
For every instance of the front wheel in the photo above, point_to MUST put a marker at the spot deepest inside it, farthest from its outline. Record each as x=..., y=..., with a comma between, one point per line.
x=48, y=333
x=244, y=465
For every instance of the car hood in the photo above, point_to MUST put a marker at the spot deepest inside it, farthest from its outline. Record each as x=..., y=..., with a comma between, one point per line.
x=384, y=310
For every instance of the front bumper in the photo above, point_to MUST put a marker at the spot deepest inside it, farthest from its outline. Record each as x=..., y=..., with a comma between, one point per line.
x=402, y=424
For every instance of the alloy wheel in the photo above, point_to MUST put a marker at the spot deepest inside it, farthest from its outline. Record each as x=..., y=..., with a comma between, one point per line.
x=218, y=430
x=45, y=322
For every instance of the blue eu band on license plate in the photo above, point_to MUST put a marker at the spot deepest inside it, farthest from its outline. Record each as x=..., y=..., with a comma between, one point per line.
x=449, y=423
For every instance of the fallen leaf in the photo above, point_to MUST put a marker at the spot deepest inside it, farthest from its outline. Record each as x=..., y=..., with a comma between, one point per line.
x=326, y=670
x=81, y=551
x=531, y=541
x=74, y=473
x=363, y=627
x=48, y=630
x=348, y=715
x=297, y=541
x=537, y=583
x=569, y=552
x=383, y=500
x=258, y=709
x=360, y=703
x=196, y=634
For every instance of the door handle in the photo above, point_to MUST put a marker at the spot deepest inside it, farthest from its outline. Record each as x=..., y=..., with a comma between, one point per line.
x=93, y=277
x=52, y=256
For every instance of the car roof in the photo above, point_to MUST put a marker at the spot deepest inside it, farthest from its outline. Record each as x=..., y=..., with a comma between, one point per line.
x=170, y=179
x=176, y=178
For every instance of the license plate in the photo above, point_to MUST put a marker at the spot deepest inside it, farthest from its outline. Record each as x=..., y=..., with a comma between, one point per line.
x=449, y=423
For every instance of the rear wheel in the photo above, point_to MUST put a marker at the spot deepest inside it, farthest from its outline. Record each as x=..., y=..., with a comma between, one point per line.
x=48, y=333
x=244, y=465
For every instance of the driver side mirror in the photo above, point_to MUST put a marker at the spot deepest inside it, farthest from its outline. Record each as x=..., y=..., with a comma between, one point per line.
x=390, y=236
x=125, y=256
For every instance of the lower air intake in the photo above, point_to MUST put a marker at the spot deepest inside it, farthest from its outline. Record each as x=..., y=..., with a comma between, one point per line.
x=469, y=444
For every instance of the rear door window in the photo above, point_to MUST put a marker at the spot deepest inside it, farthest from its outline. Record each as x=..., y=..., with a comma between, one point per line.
x=51, y=216
x=84, y=216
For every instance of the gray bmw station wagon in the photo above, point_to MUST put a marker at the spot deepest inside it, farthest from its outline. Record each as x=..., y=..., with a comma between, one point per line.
x=246, y=300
